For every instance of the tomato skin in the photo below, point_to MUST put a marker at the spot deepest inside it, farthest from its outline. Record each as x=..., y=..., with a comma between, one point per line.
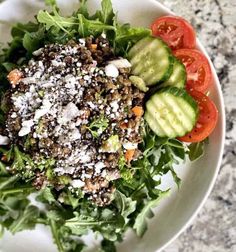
x=175, y=31
x=199, y=75
x=207, y=119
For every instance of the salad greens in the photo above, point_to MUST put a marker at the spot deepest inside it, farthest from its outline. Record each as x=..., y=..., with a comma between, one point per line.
x=70, y=215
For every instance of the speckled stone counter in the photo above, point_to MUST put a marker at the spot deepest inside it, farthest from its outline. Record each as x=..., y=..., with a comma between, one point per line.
x=214, y=229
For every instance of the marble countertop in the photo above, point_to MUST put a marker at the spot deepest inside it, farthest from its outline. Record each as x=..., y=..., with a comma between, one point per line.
x=214, y=229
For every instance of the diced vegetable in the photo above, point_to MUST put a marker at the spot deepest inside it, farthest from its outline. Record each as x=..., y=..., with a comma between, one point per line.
x=139, y=83
x=138, y=111
x=129, y=155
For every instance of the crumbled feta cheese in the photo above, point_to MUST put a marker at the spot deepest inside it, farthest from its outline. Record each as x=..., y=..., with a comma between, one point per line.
x=98, y=167
x=38, y=52
x=69, y=112
x=70, y=79
x=28, y=80
x=82, y=41
x=84, y=156
x=77, y=183
x=130, y=146
x=13, y=115
x=40, y=112
x=4, y=140
x=115, y=106
x=75, y=134
x=121, y=63
x=91, y=105
x=104, y=35
x=111, y=71
x=26, y=128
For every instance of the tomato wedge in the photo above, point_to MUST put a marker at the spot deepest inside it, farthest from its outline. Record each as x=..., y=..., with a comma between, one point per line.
x=199, y=76
x=175, y=31
x=207, y=119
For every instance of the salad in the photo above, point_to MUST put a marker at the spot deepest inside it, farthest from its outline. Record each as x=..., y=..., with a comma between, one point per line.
x=93, y=114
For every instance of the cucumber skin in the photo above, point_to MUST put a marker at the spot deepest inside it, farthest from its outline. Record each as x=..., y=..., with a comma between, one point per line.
x=180, y=93
x=168, y=73
x=180, y=84
x=171, y=59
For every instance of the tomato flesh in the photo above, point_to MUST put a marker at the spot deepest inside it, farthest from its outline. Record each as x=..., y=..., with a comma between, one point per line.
x=175, y=31
x=207, y=119
x=199, y=76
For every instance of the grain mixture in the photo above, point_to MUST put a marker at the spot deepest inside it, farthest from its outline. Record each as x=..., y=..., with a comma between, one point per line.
x=74, y=106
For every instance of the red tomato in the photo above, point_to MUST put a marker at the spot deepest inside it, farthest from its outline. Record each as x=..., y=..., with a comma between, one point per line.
x=175, y=31
x=199, y=76
x=207, y=119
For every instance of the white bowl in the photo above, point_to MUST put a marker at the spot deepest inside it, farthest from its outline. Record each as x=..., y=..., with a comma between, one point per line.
x=174, y=213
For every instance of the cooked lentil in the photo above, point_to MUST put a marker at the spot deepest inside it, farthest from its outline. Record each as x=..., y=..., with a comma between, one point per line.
x=69, y=101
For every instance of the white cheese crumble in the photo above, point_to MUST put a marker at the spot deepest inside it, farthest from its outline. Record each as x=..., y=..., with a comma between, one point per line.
x=38, y=52
x=82, y=41
x=26, y=128
x=69, y=112
x=130, y=146
x=99, y=166
x=77, y=183
x=115, y=106
x=111, y=71
x=4, y=140
x=121, y=63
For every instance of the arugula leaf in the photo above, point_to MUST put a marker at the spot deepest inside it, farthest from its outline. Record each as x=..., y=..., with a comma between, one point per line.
x=64, y=240
x=107, y=14
x=8, y=66
x=3, y=170
x=46, y=196
x=106, y=221
x=126, y=36
x=25, y=220
x=70, y=199
x=55, y=234
x=79, y=222
x=19, y=29
x=140, y=224
x=125, y=172
x=44, y=17
x=196, y=150
x=91, y=27
x=108, y=246
x=178, y=148
x=83, y=9
x=125, y=205
x=34, y=40
x=5, y=182
x=23, y=164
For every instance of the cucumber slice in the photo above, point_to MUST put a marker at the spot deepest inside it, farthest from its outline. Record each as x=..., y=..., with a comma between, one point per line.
x=151, y=59
x=171, y=112
x=178, y=77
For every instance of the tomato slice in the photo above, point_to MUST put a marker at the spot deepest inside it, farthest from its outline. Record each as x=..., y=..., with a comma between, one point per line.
x=175, y=31
x=199, y=76
x=207, y=119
